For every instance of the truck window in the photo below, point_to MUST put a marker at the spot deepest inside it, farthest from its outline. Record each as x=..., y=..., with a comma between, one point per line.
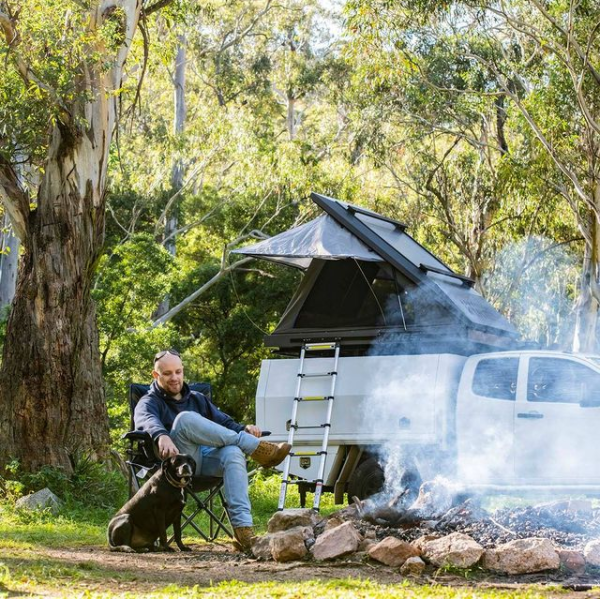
x=496, y=378
x=560, y=381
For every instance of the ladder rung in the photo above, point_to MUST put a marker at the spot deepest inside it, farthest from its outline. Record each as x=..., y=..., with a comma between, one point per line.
x=313, y=398
x=305, y=453
x=310, y=375
x=298, y=427
x=304, y=480
x=318, y=346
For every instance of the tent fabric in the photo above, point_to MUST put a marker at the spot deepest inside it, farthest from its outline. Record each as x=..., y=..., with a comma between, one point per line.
x=321, y=238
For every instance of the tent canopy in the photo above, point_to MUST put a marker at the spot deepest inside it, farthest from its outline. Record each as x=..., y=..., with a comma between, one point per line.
x=321, y=238
x=365, y=274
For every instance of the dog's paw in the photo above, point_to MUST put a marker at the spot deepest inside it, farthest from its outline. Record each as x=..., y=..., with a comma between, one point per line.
x=184, y=548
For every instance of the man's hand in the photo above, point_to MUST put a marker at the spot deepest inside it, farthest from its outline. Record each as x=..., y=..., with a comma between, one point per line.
x=166, y=447
x=253, y=430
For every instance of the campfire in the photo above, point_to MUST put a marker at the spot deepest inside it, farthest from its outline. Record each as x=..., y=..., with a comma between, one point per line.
x=567, y=523
x=442, y=528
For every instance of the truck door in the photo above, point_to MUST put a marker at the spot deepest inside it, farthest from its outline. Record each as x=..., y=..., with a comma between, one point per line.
x=485, y=420
x=555, y=437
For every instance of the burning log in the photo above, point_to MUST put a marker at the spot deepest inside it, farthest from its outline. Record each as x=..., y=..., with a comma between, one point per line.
x=434, y=500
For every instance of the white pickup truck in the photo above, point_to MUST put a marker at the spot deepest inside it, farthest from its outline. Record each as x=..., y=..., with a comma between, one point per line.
x=503, y=421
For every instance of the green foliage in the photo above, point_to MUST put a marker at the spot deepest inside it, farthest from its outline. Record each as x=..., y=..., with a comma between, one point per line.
x=91, y=487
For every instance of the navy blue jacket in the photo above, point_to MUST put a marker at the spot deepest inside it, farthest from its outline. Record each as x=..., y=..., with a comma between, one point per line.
x=156, y=411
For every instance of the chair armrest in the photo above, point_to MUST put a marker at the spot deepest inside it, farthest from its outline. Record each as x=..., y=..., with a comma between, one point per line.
x=137, y=436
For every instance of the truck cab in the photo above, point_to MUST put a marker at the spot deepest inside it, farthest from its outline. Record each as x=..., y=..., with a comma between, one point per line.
x=529, y=420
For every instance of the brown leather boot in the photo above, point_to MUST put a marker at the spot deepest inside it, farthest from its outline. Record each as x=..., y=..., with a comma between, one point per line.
x=269, y=454
x=244, y=538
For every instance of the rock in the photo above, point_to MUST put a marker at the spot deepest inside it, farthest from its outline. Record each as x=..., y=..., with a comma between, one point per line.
x=366, y=544
x=289, y=545
x=371, y=533
x=44, y=499
x=457, y=550
x=413, y=566
x=261, y=547
x=285, y=545
x=421, y=541
x=333, y=522
x=591, y=553
x=522, y=556
x=286, y=519
x=392, y=551
x=337, y=542
x=571, y=560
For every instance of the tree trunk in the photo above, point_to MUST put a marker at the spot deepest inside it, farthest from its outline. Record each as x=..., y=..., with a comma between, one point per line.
x=51, y=381
x=586, y=307
x=8, y=265
x=52, y=406
x=172, y=218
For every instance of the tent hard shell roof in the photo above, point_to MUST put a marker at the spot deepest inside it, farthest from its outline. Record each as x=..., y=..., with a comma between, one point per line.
x=366, y=276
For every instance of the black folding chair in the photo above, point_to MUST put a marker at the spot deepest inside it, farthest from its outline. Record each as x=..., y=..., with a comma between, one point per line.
x=204, y=495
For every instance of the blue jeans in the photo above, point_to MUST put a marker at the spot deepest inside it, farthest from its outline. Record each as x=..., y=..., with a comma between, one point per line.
x=218, y=451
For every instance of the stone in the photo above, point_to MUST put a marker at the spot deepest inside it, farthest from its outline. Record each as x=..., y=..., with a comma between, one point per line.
x=286, y=519
x=413, y=566
x=333, y=522
x=392, y=551
x=421, y=541
x=366, y=544
x=457, y=549
x=261, y=548
x=289, y=545
x=285, y=545
x=371, y=533
x=591, y=553
x=44, y=499
x=522, y=556
x=337, y=542
x=571, y=560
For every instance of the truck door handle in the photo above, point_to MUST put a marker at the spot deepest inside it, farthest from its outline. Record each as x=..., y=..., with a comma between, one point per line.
x=529, y=415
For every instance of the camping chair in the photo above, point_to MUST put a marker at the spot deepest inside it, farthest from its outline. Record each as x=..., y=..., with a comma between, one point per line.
x=205, y=493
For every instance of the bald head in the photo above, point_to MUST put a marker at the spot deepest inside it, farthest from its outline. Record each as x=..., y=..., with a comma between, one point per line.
x=168, y=372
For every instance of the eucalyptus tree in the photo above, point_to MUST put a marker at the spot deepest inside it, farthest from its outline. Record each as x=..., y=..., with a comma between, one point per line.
x=63, y=72
x=540, y=62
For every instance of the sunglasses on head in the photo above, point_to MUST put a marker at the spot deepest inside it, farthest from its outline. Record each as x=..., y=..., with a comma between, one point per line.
x=162, y=354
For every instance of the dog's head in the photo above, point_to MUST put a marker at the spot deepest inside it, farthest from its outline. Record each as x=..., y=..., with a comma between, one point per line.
x=179, y=469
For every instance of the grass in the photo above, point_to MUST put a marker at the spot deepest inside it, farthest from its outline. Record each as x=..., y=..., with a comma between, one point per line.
x=30, y=565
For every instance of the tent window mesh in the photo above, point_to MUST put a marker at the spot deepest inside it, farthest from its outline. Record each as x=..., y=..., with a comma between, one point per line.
x=348, y=293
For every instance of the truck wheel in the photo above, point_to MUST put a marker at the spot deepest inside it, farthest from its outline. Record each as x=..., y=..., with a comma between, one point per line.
x=366, y=480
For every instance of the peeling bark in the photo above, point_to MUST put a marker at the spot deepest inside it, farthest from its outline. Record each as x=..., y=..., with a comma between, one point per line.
x=52, y=406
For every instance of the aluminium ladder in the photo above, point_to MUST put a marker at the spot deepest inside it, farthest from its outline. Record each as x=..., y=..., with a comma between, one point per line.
x=325, y=426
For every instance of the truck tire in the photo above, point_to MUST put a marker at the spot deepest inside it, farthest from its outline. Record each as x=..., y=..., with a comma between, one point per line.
x=366, y=480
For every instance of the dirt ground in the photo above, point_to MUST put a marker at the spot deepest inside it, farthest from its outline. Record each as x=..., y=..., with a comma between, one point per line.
x=210, y=564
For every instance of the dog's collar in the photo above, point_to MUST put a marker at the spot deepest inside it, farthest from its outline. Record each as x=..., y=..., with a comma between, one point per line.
x=176, y=483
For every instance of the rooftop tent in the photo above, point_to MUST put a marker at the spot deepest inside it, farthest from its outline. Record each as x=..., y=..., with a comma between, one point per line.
x=321, y=238
x=369, y=283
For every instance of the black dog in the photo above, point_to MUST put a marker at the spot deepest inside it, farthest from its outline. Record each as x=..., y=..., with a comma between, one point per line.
x=158, y=504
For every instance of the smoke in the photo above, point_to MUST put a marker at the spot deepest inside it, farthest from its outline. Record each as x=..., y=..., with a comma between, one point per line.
x=534, y=283
x=506, y=428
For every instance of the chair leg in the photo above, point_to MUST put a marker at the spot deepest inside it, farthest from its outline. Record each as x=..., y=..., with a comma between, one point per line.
x=217, y=522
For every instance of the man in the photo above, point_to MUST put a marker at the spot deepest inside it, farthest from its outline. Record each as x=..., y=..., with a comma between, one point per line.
x=184, y=421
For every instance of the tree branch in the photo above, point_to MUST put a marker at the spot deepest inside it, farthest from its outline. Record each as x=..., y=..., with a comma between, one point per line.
x=15, y=199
